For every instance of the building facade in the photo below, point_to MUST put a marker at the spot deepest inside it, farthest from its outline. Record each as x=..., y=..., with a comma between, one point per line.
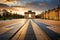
x=53, y=14
x=29, y=14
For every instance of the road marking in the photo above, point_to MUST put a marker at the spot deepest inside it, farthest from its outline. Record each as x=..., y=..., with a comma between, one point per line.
x=7, y=28
x=30, y=35
x=53, y=35
x=22, y=33
x=7, y=35
x=40, y=34
x=4, y=30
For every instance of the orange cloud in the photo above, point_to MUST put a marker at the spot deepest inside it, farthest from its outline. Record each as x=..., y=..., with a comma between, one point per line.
x=9, y=0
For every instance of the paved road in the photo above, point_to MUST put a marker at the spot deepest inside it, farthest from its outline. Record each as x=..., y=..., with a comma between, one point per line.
x=53, y=35
x=28, y=30
x=9, y=31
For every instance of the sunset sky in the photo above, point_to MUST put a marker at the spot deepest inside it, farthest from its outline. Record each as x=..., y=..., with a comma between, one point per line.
x=20, y=6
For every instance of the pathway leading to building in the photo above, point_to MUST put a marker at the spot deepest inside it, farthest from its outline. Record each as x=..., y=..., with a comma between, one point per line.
x=29, y=30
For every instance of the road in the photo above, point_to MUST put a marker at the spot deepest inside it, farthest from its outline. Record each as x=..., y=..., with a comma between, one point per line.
x=27, y=29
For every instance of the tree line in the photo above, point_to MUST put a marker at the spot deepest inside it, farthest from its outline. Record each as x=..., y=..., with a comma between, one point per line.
x=8, y=15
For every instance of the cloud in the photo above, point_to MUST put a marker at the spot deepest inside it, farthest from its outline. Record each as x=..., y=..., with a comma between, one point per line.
x=9, y=0
x=35, y=5
x=3, y=5
x=19, y=6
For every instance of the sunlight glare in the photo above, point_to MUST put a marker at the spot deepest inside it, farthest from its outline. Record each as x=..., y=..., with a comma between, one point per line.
x=29, y=15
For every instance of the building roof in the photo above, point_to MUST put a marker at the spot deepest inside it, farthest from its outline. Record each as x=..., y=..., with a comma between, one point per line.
x=29, y=12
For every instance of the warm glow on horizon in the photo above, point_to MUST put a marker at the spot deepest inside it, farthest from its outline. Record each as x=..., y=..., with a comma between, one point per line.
x=30, y=15
x=20, y=11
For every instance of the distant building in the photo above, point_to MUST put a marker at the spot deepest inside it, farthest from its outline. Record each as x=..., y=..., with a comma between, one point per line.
x=1, y=12
x=29, y=14
x=53, y=14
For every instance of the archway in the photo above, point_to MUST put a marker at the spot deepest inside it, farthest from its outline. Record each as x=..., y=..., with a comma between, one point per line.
x=29, y=14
